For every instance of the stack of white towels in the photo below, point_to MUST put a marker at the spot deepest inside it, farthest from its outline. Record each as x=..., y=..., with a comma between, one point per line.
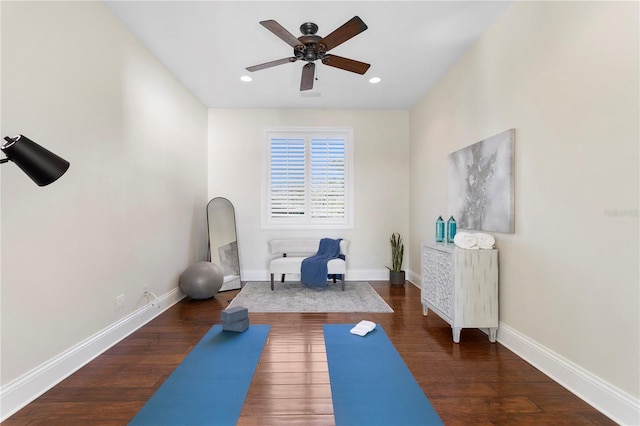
x=476, y=241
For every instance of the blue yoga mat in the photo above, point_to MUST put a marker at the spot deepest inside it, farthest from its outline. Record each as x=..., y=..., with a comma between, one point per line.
x=370, y=383
x=210, y=385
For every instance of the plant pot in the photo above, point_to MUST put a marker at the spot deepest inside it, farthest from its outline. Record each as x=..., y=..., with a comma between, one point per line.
x=397, y=278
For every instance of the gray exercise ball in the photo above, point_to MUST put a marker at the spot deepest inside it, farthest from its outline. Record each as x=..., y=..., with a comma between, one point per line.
x=201, y=280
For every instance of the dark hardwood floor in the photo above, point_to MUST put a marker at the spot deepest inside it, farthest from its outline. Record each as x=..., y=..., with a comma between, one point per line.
x=471, y=383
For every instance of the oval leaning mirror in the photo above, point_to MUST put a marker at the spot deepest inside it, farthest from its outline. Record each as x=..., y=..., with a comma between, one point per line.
x=223, y=242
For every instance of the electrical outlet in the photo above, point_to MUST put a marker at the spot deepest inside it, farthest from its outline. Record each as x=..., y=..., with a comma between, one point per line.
x=119, y=302
x=372, y=260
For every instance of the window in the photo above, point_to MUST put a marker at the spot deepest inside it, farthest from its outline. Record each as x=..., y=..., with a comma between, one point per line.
x=308, y=179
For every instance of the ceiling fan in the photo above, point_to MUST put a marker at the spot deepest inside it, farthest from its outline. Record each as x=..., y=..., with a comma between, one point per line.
x=311, y=47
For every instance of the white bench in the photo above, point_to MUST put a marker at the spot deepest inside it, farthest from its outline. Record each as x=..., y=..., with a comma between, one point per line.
x=292, y=252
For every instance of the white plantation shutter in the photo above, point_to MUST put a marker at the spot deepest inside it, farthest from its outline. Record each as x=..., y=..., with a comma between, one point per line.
x=308, y=179
x=287, y=177
x=327, y=190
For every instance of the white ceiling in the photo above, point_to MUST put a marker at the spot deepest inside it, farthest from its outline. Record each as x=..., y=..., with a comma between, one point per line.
x=208, y=44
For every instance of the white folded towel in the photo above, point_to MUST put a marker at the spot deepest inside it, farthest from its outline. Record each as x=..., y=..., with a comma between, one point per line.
x=485, y=241
x=363, y=327
x=465, y=240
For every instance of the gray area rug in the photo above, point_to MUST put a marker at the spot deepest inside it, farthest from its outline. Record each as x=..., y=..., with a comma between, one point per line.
x=293, y=296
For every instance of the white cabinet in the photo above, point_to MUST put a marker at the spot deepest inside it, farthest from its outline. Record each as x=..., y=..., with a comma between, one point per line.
x=461, y=286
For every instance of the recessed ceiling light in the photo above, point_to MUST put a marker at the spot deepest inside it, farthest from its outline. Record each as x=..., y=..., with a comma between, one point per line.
x=246, y=78
x=375, y=80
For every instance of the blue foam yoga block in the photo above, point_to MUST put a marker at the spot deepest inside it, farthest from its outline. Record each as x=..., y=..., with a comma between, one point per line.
x=237, y=313
x=238, y=326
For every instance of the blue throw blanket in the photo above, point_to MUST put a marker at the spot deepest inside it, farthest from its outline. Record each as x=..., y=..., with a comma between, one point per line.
x=314, y=269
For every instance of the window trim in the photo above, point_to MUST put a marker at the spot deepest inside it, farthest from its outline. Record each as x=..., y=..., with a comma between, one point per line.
x=307, y=132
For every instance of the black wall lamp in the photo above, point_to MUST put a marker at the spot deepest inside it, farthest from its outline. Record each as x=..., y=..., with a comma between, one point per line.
x=40, y=164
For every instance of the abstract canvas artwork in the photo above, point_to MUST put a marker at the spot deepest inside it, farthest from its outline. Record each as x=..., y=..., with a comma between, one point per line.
x=481, y=184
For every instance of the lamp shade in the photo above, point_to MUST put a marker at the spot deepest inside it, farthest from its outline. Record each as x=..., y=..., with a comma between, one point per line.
x=40, y=164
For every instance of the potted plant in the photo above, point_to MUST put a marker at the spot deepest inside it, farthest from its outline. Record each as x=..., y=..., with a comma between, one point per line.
x=396, y=274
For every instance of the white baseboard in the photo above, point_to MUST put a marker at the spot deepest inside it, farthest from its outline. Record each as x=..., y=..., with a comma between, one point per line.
x=254, y=275
x=414, y=278
x=367, y=274
x=609, y=400
x=23, y=390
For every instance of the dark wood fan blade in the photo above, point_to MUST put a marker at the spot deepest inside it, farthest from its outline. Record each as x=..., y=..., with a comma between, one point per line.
x=346, y=64
x=308, y=72
x=281, y=32
x=271, y=64
x=350, y=29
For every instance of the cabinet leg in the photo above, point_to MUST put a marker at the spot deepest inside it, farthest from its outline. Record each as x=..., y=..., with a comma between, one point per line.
x=456, y=334
x=425, y=310
x=493, y=332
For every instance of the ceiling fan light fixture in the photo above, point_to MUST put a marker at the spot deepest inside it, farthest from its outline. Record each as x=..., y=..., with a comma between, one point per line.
x=246, y=78
x=375, y=80
x=310, y=47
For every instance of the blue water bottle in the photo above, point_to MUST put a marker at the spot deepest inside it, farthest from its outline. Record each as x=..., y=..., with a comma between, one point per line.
x=451, y=229
x=439, y=230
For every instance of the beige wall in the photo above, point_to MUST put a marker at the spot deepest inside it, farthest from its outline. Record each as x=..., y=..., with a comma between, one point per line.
x=381, y=147
x=130, y=210
x=565, y=76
